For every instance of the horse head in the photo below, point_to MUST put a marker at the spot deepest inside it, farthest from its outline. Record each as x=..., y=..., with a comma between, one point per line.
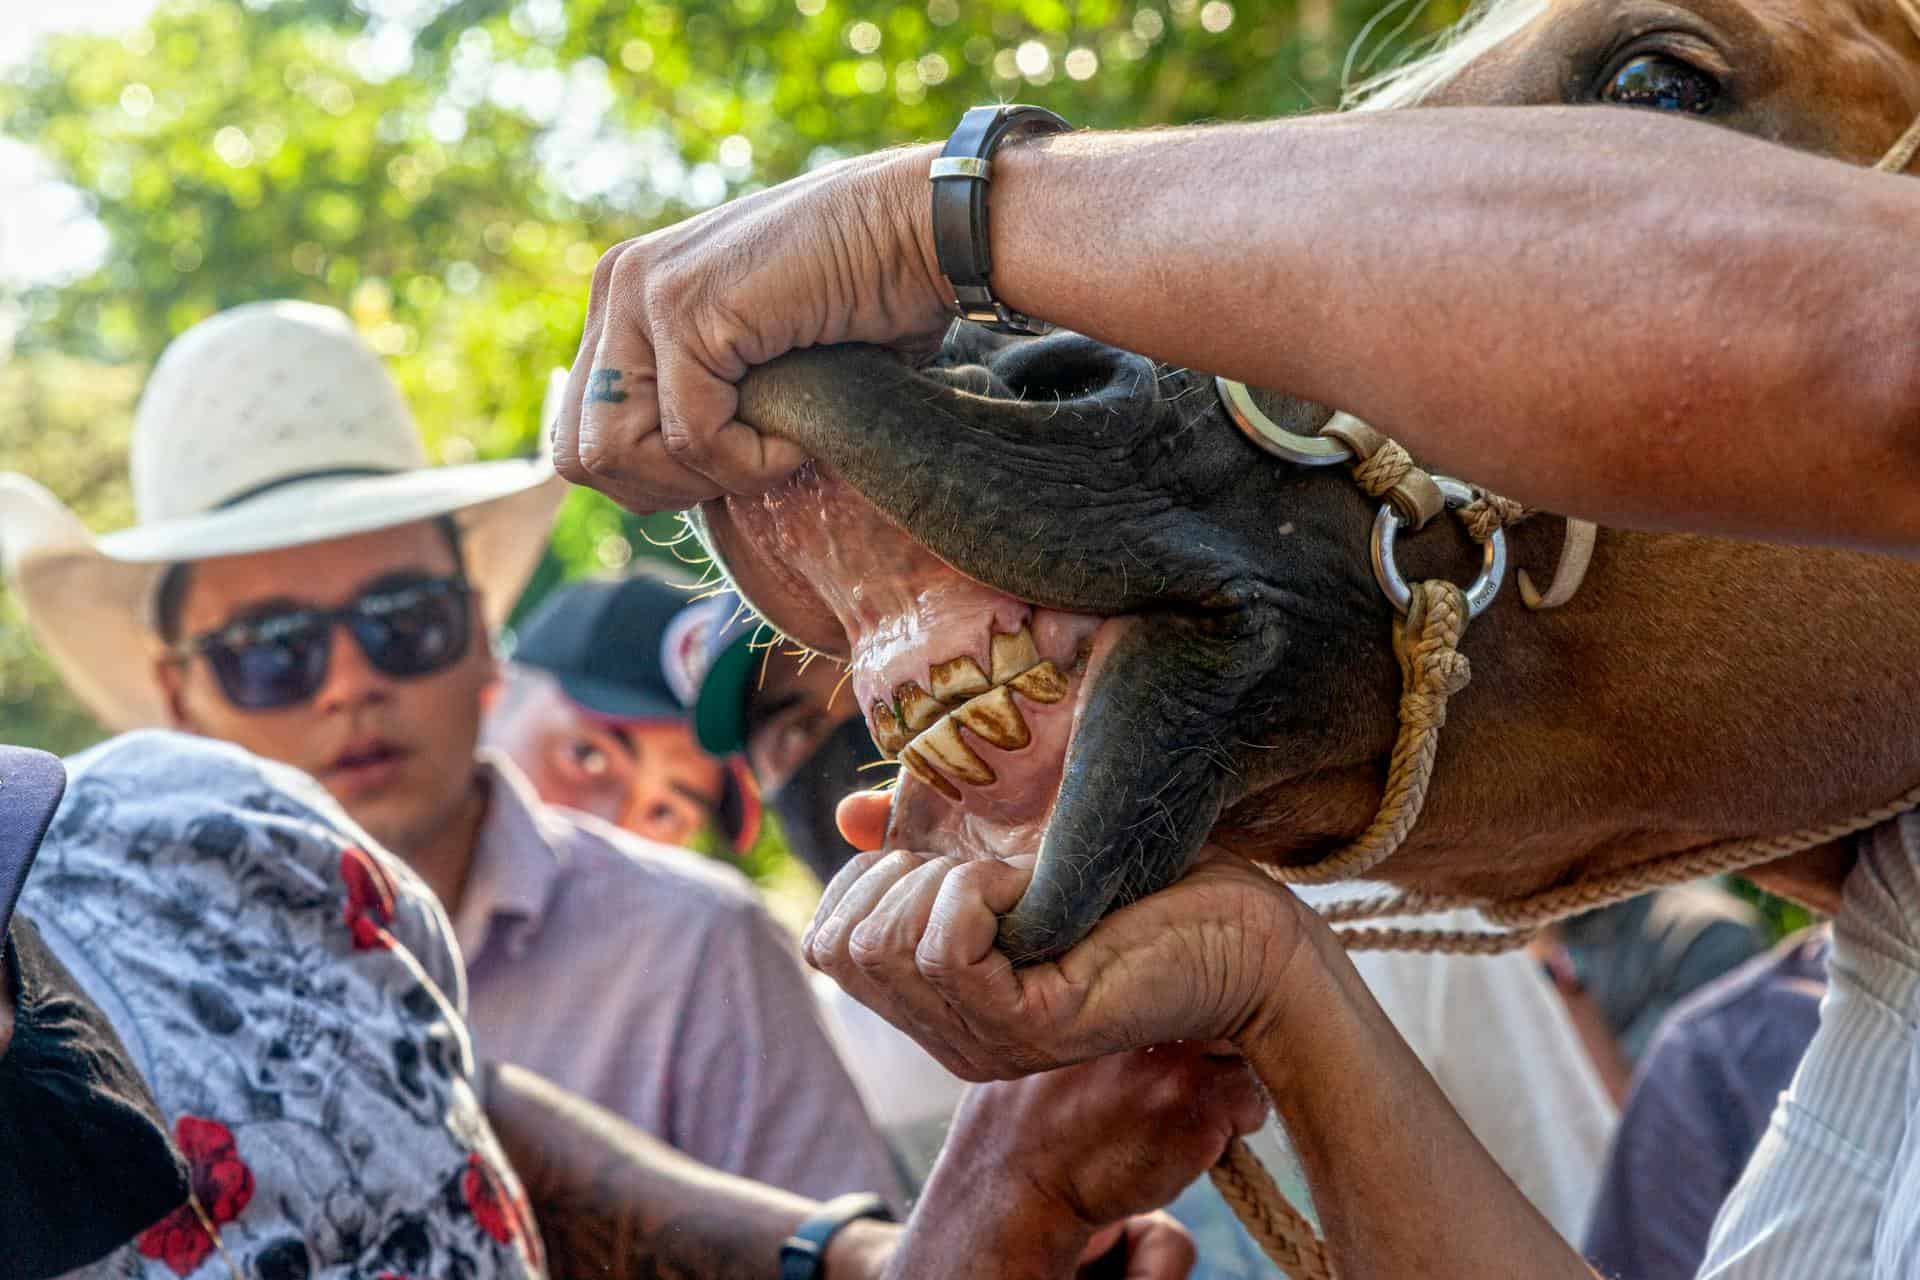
x=1093, y=619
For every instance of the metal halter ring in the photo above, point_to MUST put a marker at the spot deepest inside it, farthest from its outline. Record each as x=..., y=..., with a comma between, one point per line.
x=1307, y=451
x=1386, y=527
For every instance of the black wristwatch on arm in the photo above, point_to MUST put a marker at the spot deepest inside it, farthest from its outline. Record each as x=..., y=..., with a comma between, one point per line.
x=803, y=1255
x=960, y=179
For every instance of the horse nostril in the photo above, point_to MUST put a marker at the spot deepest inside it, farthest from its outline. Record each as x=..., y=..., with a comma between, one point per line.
x=1066, y=367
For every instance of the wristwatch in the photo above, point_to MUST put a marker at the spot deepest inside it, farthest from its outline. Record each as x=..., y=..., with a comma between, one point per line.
x=960, y=178
x=803, y=1254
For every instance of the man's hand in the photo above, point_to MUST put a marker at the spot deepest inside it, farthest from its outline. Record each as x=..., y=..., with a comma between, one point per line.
x=843, y=254
x=1079, y=1158
x=912, y=937
x=1114, y=1137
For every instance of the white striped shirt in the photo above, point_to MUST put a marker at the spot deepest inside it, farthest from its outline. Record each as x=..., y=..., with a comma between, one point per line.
x=1833, y=1192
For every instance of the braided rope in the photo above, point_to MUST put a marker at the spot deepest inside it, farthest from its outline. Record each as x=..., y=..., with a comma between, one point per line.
x=1385, y=468
x=1714, y=859
x=1902, y=152
x=1458, y=942
x=1281, y=1231
x=1897, y=160
x=1489, y=512
x=1432, y=669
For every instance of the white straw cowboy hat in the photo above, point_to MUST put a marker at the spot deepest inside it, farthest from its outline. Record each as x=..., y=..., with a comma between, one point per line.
x=267, y=426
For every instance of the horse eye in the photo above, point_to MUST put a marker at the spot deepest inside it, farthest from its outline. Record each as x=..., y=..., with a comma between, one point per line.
x=1663, y=83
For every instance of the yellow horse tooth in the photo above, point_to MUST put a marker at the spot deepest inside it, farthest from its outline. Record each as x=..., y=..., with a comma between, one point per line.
x=944, y=748
x=1043, y=683
x=1013, y=654
x=958, y=679
x=996, y=719
x=920, y=769
x=918, y=708
x=887, y=733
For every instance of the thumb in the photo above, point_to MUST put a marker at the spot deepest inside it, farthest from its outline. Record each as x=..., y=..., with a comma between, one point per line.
x=862, y=818
x=1158, y=1248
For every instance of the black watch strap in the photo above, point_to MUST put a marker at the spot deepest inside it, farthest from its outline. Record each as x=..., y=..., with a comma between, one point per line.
x=803, y=1254
x=960, y=178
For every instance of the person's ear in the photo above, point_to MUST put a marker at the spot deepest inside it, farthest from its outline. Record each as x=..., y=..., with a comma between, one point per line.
x=492, y=665
x=170, y=674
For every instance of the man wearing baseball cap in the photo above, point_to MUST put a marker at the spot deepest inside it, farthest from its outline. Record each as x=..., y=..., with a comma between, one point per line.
x=792, y=719
x=588, y=711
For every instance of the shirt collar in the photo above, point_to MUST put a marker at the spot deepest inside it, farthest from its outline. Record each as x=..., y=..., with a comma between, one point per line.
x=517, y=861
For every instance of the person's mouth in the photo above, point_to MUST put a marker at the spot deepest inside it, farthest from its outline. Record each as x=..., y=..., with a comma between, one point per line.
x=365, y=766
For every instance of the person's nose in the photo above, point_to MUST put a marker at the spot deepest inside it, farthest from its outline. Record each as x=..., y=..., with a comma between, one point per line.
x=351, y=680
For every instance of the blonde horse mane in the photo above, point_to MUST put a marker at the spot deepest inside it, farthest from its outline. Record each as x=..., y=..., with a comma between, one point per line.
x=1487, y=24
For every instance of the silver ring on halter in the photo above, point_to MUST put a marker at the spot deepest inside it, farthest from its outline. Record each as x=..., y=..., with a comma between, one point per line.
x=1307, y=451
x=1386, y=527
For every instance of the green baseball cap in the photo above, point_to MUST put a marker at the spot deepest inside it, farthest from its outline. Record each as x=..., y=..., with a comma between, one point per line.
x=712, y=669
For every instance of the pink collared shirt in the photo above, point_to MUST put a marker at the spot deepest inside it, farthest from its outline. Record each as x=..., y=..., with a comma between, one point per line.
x=652, y=981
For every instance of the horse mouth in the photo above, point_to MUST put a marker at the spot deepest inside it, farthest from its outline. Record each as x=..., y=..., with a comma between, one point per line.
x=1038, y=627
x=974, y=692
x=1020, y=727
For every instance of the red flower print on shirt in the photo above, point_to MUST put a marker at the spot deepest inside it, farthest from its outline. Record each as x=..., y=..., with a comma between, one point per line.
x=370, y=897
x=222, y=1184
x=491, y=1202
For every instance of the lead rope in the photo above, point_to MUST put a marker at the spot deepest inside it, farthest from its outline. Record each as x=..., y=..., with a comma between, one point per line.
x=1283, y=1234
x=1432, y=669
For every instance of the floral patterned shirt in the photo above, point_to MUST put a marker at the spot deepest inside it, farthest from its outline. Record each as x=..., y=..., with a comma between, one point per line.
x=293, y=999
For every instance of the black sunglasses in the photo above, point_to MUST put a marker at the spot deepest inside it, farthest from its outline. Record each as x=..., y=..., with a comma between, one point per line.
x=279, y=659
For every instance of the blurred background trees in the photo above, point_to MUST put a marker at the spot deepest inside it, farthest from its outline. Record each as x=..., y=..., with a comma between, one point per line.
x=448, y=171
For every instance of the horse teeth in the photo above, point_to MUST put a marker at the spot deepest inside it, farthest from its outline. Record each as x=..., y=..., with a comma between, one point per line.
x=1013, y=654
x=920, y=769
x=943, y=747
x=918, y=708
x=1042, y=683
x=958, y=679
x=996, y=719
x=887, y=733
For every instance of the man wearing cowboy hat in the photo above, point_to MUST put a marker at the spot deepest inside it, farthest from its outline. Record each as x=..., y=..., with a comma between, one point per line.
x=301, y=584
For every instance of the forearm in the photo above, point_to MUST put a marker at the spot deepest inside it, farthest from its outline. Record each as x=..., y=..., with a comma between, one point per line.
x=612, y=1201
x=1401, y=1184
x=1603, y=312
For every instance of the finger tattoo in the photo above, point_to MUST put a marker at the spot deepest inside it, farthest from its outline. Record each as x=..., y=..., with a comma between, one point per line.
x=600, y=386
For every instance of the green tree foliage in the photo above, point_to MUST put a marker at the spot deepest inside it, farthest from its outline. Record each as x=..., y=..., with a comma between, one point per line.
x=449, y=173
